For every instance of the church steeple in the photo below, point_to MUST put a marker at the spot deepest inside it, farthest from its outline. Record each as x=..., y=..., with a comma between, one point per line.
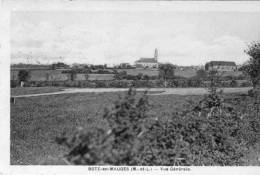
x=156, y=54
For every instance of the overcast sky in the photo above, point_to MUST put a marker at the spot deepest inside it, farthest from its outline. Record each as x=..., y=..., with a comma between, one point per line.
x=183, y=38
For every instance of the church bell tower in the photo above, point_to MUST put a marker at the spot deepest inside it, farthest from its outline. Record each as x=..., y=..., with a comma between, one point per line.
x=156, y=54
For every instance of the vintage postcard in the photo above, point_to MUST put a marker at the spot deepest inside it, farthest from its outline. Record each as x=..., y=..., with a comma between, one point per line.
x=130, y=87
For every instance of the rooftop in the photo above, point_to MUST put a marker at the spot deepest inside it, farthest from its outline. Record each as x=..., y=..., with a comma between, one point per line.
x=147, y=60
x=221, y=63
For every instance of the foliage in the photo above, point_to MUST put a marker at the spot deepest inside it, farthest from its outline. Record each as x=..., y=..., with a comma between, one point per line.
x=72, y=75
x=233, y=83
x=182, y=83
x=88, y=71
x=201, y=74
x=14, y=83
x=252, y=67
x=124, y=76
x=23, y=75
x=101, y=66
x=120, y=145
x=59, y=65
x=215, y=81
x=166, y=71
x=120, y=75
x=209, y=132
x=29, y=66
x=193, y=139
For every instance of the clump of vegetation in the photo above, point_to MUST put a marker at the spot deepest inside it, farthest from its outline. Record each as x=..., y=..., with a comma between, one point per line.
x=59, y=65
x=124, y=76
x=252, y=67
x=23, y=75
x=211, y=132
x=201, y=74
x=120, y=144
x=166, y=72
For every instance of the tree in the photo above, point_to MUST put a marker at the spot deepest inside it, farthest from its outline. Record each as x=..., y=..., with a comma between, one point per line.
x=139, y=76
x=73, y=74
x=121, y=75
x=166, y=71
x=59, y=65
x=252, y=67
x=23, y=75
x=146, y=77
x=214, y=81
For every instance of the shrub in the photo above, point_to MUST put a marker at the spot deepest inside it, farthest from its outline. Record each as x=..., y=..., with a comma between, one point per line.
x=192, y=139
x=233, y=83
x=143, y=83
x=201, y=74
x=100, y=84
x=211, y=132
x=23, y=75
x=120, y=84
x=14, y=83
x=252, y=67
x=208, y=133
x=120, y=144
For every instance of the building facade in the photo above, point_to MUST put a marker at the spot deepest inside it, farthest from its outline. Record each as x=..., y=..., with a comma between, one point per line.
x=148, y=62
x=125, y=65
x=222, y=66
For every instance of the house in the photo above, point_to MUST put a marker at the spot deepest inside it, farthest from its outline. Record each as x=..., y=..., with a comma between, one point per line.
x=124, y=65
x=222, y=66
x=148, y=62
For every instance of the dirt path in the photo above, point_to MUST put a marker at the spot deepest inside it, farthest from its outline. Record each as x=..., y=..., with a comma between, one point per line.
x=161, y=91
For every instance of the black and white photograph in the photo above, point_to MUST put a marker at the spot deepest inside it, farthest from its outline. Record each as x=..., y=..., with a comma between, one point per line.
x=142, y=85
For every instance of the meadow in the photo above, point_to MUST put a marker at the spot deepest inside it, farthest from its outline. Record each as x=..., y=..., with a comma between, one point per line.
x=37, y=121
x=33, y=90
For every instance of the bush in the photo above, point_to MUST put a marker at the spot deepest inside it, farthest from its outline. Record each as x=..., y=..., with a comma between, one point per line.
x=210, y=132
x=101, y=84
x=177, y=83
x=251, y=93
x=120, y=144
x=252, y=67
x=14, y=83
x=192, y=139
x=120, y=84
x=23, y=75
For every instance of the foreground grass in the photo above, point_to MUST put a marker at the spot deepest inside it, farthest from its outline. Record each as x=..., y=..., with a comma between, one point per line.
x=33, y=90
x=36, y=121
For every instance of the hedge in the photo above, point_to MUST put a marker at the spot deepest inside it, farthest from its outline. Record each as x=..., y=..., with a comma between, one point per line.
x=177, y=83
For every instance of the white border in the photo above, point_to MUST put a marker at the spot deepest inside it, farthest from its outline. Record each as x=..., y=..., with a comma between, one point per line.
x=79, y=5
x=99, y=5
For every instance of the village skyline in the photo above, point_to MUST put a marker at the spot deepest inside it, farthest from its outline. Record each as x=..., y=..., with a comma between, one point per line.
x=151, y=62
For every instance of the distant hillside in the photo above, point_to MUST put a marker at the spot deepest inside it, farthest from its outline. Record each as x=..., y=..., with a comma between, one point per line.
x=30, y=66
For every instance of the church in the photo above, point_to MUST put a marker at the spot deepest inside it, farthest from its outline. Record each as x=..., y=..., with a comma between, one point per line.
x=148, y=62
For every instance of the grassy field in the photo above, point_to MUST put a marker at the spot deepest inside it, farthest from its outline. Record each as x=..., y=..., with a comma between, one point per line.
x=33, y=90
x=36, y=121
